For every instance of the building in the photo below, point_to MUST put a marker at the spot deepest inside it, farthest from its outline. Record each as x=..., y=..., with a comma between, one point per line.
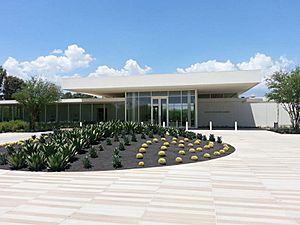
x=166, y=99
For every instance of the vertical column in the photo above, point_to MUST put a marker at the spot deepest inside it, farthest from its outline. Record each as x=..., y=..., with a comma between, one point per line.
x=92, y=112
x=80, y=112
x=56, y=113
x=68, y=112
x=196, y=108
x=45, y=111
x=125, y=106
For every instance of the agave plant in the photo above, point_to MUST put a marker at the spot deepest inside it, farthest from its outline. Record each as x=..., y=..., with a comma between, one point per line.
x=10, y=149
x=36, y=161
x=3, y=158
x=56, y=162
x=116, y=159
x=68, y=151
x=29, y=148
x=17, y=160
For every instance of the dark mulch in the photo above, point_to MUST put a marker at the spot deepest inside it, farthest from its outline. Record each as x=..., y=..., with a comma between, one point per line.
x=128, y=156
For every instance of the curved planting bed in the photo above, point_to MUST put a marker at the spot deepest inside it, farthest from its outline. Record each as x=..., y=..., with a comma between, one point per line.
x=111, y=145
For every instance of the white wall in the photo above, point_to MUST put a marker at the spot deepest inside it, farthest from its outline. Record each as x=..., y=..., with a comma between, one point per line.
x=248, y=113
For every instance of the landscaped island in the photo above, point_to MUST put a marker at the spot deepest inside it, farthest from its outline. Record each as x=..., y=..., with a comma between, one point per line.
x=111, y=145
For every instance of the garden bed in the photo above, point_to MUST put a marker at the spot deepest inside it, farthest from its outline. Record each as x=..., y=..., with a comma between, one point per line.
x=104, y=152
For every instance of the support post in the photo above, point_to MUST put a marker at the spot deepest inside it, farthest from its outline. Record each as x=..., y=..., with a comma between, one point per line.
x=235, y=125
x=164, y=124
x=186, y=125
x=210, y=125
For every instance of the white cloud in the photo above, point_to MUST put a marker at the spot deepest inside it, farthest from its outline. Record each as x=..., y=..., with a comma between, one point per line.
x=131, y=67
x=208, y=66
x=57, y=51
x=49, y=66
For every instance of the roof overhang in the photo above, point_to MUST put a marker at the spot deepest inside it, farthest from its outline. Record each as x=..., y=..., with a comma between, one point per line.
x=208, y=82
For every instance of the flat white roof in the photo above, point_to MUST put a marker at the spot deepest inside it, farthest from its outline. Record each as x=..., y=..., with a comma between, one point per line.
x=204, y=82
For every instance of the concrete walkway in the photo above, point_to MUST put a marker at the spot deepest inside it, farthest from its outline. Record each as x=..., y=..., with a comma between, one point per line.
x=14, y=136
x=258, y=184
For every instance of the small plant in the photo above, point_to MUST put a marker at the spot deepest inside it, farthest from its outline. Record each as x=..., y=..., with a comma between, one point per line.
x=162, y=161
x=178, y=159
x=142, y=150
x=101, y=148
x=121, y=146
x=219, y=139
x=33, y=137
x=204, y=138
x=36, y=161
x=56, y=162
x=192, y=150
x=116, y=138
x=116, y=159
x=86, y=162
x=139, y=156
x=162, y=153
x=194, y=158
x=108, y=141
x=206, y=155
x=212, y=138
x=150, y=134
x=126, y=141
x=199, y=136
x=143, y=136
x=3, y=158
x=17, y=160
x=216, y=153
x=133, y=138
x=141, y=164
x=181, y=152
x=93, y=153
x=10, y=149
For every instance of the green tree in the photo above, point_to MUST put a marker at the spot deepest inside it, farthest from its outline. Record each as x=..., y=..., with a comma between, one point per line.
x=34, y=95
x=285, y=89
x=12, y=85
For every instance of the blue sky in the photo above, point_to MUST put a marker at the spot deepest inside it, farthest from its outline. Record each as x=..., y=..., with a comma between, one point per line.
x=164, y=35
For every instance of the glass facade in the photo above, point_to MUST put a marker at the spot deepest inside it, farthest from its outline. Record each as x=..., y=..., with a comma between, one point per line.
x=172, y=107
x=62, y=112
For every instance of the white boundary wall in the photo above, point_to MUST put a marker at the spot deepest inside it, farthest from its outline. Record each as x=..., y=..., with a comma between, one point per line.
x=223, y=112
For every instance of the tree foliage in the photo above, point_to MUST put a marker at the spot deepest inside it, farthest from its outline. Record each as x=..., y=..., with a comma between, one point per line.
x=285, y=89
x=34, y=95
x=12, y=85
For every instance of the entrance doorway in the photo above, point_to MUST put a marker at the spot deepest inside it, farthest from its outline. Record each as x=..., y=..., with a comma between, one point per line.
x=159, y=110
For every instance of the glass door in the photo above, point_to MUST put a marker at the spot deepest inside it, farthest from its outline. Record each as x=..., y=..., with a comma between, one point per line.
x=159, y=110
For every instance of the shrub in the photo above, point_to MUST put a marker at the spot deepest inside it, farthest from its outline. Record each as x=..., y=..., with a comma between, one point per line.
x=36, y=161
x=116, y=159
x=164, y=148
x=10, y=149
x=56, y=162
x=144, y=145
x=13, y=126
x=149, y=142
x=162, y=153
x=121, y=146
x=108, y=141
x=143, y=136
x=199, y=136
x=199, y=149
x=178, y=159
x=116, y=138
x=133, y=138
x=194, y=158
x=93, y=153
x=212, y=138
x=163, y=139
x=204, y=138
x=139, y=156
x=166, y=144
x=206, y=155
x=222, y=151
x=162, y=161
x=142, y=150
x=17, y=160
x=101, y=147
x=192, y=150
x=126, y=141
x=141, y=163
x=86, y=162
x=181, y=152
x=219, y=139
x=181, y=145
x=150, y=134
x=155, y=140
x=3, y=158
x=216, y=153
x=181, y=141
x=190, y=145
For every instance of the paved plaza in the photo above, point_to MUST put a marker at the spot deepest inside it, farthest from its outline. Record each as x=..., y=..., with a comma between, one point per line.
x=258, y=184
